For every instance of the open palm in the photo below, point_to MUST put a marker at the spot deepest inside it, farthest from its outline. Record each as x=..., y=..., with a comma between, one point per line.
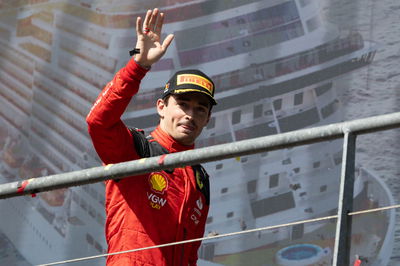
x=149, y=38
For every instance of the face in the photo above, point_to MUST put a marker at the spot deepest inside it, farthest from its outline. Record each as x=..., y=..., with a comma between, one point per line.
x=183, y=116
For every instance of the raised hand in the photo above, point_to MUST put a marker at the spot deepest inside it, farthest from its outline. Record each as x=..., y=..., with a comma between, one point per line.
x=149, y=38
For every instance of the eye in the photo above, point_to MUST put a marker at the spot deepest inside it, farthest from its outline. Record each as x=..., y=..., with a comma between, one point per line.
x=182, y=104
x=202, y=109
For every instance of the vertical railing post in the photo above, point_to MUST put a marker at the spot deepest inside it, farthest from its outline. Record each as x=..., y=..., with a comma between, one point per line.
x=341, y=253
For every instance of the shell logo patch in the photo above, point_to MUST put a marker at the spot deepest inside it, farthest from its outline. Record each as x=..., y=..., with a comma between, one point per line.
x=158, y=182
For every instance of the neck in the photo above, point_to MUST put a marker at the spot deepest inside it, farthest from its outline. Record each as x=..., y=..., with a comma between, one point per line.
x=168, y=142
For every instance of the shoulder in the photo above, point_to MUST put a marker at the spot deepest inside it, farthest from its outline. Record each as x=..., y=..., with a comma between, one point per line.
x=202, y=181
x=140, y=142
x=146, y=146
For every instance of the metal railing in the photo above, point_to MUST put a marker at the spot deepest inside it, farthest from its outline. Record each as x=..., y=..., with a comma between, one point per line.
x=347, y=130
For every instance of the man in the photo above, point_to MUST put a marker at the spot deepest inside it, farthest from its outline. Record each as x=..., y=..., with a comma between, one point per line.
x=164, y=206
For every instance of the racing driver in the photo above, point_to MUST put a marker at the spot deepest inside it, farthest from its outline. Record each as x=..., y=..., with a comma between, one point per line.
x=164, y=206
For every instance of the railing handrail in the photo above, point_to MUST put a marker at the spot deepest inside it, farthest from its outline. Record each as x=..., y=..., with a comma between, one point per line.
x=201, y=155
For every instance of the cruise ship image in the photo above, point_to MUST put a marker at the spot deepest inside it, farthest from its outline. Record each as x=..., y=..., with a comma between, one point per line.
x=278, y=66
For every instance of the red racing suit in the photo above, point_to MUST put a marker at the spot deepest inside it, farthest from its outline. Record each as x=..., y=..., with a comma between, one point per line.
x=151, y=209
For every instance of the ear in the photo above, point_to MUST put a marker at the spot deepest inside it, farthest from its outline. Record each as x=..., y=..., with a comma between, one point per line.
x=160, y=107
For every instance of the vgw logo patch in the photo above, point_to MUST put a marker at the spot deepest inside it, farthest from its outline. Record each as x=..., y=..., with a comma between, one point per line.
x=158, y=184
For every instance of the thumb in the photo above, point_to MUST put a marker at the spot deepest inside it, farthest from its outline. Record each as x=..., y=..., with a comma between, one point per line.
x=167, y=41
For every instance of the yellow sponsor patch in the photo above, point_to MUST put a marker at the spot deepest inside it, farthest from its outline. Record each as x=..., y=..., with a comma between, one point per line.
x=158, y=182
x=196, y=80
x=198, y=180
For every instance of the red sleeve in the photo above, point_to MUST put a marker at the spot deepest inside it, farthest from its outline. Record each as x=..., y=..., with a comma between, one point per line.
x=111, y=138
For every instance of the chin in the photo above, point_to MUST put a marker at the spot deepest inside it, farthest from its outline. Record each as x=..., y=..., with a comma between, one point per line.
x=185, y=140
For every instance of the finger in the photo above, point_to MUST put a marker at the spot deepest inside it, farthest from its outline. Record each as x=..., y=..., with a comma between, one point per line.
x=160, y=22
x=139, y=30
x=167, y=41
x=147, y=19
x=153, y=19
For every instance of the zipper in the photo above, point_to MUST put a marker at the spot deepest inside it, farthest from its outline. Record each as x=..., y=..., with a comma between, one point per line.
x=182, y=217
x=183, y=246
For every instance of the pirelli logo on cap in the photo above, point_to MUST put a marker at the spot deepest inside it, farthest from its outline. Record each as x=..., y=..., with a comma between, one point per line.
x=196, y=80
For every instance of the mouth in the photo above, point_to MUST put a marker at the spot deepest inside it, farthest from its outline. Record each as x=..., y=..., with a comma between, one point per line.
x=188, y=127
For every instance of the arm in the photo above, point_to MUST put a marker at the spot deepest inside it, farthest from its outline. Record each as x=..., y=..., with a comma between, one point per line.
x=193, y=255
x=111, y=138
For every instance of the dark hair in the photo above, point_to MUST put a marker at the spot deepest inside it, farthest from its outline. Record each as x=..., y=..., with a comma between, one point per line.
x=166, y=99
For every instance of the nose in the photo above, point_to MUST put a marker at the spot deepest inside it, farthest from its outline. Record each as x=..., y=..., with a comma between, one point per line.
x=189, y=113
x=189, y=116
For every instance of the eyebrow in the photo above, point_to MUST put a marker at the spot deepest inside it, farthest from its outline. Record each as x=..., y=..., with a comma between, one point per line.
x=188, y=99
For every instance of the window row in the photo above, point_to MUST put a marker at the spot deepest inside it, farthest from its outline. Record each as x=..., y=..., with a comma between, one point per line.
x=86, y=73
x=91, y=241
x=18, y=104
x=67, y=83
x=246, y=24
x=256, y=73
x=91, y=190
x=9, y=83
x=57, y=127
x=80, y=201
x=229, y=214
x=55, y=143
x=16, y=58
x=74, y=105
x=39, y=234
x=14, y=72
x=243, y=44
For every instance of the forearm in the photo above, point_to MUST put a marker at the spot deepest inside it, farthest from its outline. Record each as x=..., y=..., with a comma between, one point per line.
x=109, y=135
x=115, y=97
x=111, y=138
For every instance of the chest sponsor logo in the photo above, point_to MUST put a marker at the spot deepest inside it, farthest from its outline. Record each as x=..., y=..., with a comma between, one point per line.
x=158, y=183
x=156, y=202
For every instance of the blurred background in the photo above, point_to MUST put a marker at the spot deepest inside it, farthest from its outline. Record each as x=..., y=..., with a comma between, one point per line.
x=278, y=66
